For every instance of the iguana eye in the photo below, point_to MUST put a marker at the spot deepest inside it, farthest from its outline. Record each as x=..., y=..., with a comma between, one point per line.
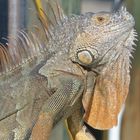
x=101, y=19
x=85, y=57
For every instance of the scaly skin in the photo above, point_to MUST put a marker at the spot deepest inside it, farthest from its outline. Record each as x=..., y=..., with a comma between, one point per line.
x=83, y=55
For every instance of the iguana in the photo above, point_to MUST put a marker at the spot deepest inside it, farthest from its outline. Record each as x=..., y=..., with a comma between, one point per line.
x=79, y=72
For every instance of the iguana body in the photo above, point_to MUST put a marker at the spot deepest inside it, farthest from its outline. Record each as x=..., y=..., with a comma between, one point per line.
x=47, y=81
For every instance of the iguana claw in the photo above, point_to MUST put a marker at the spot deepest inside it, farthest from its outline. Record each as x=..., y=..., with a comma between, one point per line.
x=84, y=135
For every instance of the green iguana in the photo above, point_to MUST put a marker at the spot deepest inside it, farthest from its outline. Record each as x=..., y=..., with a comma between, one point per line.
x=83, y=64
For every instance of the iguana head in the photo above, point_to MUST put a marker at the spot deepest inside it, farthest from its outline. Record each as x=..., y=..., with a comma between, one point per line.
x=105, y=47
x=104, y=39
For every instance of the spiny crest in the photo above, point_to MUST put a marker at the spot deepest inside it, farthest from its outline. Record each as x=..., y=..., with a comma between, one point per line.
x=23, y=49
x=27, y=46
x=50, y=17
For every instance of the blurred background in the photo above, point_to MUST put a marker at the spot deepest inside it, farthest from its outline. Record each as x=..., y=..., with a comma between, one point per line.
x=19, y=14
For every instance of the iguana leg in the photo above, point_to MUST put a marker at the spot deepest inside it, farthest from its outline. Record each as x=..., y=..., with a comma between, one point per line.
x=70, y=89
x=74, y=122
x=77, y=130
x=83, y=134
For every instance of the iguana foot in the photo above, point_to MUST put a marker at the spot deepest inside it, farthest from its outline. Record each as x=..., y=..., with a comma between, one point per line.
x=84, y=135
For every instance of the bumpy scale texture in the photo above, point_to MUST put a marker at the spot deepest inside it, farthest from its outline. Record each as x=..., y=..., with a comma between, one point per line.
x=75, y=63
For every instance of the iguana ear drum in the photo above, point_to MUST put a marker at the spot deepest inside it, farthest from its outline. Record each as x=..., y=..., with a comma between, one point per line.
x=85, y=57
